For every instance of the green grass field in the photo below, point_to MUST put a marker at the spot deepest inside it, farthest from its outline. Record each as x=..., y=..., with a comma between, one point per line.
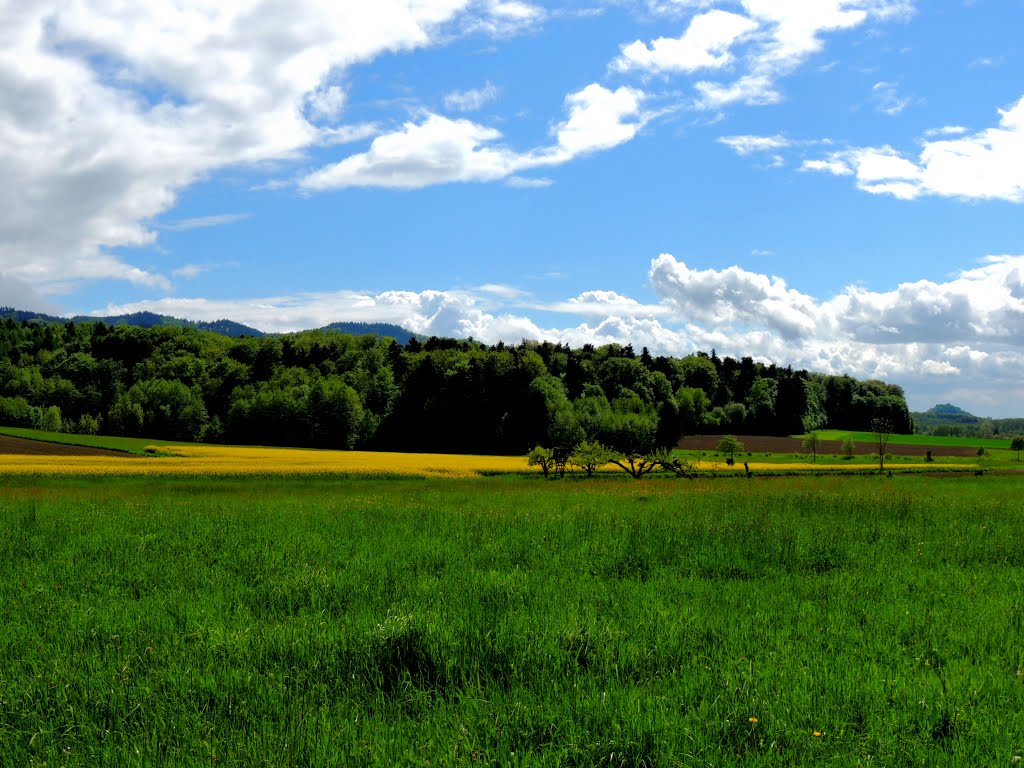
x=785, y=622
x=867, y=438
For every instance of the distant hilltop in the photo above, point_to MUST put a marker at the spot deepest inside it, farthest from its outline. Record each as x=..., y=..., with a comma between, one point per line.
x=223, y=327
x=948, y=420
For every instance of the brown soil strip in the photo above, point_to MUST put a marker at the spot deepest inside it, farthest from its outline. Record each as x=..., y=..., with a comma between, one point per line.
x=22, y=447
x=767, y=444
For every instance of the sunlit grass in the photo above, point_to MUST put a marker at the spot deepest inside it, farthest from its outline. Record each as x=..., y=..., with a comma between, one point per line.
x=306, y=621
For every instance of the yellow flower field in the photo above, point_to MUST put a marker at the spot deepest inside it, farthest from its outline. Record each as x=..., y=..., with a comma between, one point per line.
x=254, y=460
x=232, y=460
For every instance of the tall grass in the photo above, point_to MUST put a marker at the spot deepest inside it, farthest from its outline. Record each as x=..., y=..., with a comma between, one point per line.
x=358, y=622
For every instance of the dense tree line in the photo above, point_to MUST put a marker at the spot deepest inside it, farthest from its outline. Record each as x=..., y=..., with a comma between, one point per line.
x=327, y=389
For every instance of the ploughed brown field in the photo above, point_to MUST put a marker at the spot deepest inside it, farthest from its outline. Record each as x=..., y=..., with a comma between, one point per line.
x=22, y=447
x=767, y=444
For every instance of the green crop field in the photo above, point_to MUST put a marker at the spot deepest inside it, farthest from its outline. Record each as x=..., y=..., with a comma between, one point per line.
x=868, y=438
x=241, y=622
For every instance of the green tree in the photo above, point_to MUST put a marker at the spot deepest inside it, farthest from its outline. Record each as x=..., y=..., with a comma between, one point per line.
x=51, y=420
x=125, y=418
x=1017, y=444
x=810, y=445
x=730, y=445
x=334, y=413
x=171, y=411
x=88, y=425
x=541, y=457
x=761, y=405
x=881, y=431
x=849, y=448
x=589, y=455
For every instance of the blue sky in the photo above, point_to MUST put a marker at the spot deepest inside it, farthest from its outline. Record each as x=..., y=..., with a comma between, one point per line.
x=832, y=184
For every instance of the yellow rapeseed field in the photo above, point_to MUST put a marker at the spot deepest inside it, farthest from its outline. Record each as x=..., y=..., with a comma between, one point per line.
x=232, y=460
x=254, y=460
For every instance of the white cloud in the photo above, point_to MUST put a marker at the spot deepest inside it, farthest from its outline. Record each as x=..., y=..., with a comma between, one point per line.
x=599, y=119
x=705, y=44
x=603, y=304
x=440, y=150
x=887, y=98
x=981, y=305
x=192, y=271
x=988, y=165
x=524, y=182
x=945, y=130
x=327, y=102
x=836, y=166
x=790, y=32
x=471, y=100
x=502, y=18
x=437, y=151
x=748, y=145
x=203, y=222
x=733, y=296
x=20, y=294
x=109, y=109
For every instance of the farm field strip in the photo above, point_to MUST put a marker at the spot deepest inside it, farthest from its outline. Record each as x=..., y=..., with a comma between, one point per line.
x=235, y=460
x=222, y=460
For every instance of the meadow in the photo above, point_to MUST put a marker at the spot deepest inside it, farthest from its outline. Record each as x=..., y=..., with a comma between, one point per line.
x=868, y=438
x=309, y=621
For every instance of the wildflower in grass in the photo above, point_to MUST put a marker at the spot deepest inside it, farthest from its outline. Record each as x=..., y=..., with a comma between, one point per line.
x=816, y=734
x=753, y=719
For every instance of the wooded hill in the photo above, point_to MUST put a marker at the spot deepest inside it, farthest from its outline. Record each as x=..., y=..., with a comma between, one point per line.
x=223, y=327
x=328, y=389
x=946, y=420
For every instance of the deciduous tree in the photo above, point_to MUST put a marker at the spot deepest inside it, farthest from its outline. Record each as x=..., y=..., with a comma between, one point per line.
x=881, y=431
x=589, y=455
x=730, y=445
x=811, y=445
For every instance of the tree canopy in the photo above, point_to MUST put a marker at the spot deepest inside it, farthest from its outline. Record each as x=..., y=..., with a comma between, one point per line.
x=328, y=389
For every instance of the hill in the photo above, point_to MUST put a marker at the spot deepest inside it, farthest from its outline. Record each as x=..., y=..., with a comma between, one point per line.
x=137, y=319
x=223, y=327
x=948, y=420
x=396, y=332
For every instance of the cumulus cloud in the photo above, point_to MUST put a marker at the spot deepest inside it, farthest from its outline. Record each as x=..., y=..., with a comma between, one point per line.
x=733, y=296
x=987, y=165
x=440, y=150
x=109, y=109
x=705, y=44
x=931, y=337
x=981, y=305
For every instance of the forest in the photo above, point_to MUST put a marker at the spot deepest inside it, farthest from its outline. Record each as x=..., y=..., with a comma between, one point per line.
x=328, y=389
